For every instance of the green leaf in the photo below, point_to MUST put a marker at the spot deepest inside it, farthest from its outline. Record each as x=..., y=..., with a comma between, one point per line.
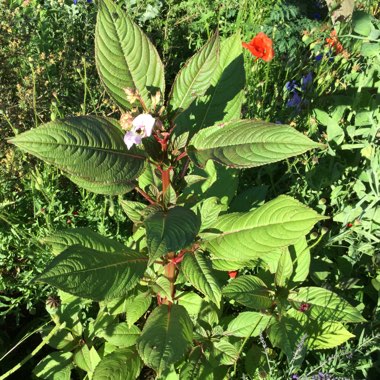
x=134, y=210
x=166, y=336
x=90, y=150
x=196, y=367
x=247, y=324
x=192, y=302
x=55, y=366
x=361, y=23
x=87, y=359
x=170, y=231
x=225, y=353
x=325, y=305
x=301, y=258
x=249, y=291
x=162, y=287
x=84, y=236
x=276, y=224
x=123, y=364
x=327, y=335
x=247, y=144
x=222, y=101
x=125, y=58
x=194, y=78
x=208, y=209
x=284, y=269
x=137, y=307
x=92, y=274
x=120, y=334
x=334, y=131
x=210, y=182
x=369, y=49
x=285, y=334
x=198, y=271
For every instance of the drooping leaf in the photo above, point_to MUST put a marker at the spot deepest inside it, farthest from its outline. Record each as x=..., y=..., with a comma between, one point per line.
x=244, y=236
x=198, y=271
x=247, y=144
x=248, y=323
x=285, y=334
x=120, y=334
x=125, y=58
x=84, y=236
x=90, y=150
x=325, y=305
x=166, y=336
x=55, y=366
x=122, y=363
x=137, y=307
x=195, y=76
x=249, y=291
x=92, y=274
x=222, y=101
x=170, y=231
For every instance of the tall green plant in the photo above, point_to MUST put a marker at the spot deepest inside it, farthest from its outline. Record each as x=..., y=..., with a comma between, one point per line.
x=181, y=153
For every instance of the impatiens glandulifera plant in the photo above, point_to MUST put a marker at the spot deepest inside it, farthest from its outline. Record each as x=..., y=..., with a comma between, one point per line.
x=206, y=271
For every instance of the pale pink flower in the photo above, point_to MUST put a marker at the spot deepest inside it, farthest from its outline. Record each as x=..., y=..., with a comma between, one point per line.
x=142, y=126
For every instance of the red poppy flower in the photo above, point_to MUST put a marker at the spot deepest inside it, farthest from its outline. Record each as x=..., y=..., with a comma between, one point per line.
x=232, y=273
x=261, y=47
x=334, y=42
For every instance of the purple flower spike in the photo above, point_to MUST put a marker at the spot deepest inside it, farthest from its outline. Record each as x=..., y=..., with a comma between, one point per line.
x=307, y=80
x=295, y=101
x=290, y=85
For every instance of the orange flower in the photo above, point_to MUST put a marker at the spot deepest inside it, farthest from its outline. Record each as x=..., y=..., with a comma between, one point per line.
x=261, y=47
x=333, y=41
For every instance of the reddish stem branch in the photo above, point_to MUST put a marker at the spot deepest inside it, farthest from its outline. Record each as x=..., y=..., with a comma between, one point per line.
x=145, y=195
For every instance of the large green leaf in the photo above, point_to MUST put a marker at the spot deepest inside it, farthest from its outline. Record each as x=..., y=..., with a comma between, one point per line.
x=170, y=230
x=55, y=366
x=125, y=57
x=243, y=236
x=197, y=366
x=166, y=336
x=90, y=150
x=247, y=324
x=285, y=334
x=327, y=335
x=249, y=291
x=120, y=334
x=61, y=240
x=92, y=274
x=198, y=271
x=247, y=144
x=194, y=78
x=225, y=353
x=325, y=305
x=121, y=364
x=223, y=99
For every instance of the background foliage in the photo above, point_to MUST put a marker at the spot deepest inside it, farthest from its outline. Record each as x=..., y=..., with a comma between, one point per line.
x=48, y=72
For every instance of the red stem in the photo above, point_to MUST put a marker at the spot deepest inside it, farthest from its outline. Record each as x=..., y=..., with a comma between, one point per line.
x=145, y=195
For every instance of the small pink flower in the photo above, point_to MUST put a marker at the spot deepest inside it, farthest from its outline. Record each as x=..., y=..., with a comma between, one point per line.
x=142, y=126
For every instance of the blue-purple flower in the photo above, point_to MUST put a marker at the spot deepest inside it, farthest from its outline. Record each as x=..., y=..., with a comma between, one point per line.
x=295, y=101
x=307, y=80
